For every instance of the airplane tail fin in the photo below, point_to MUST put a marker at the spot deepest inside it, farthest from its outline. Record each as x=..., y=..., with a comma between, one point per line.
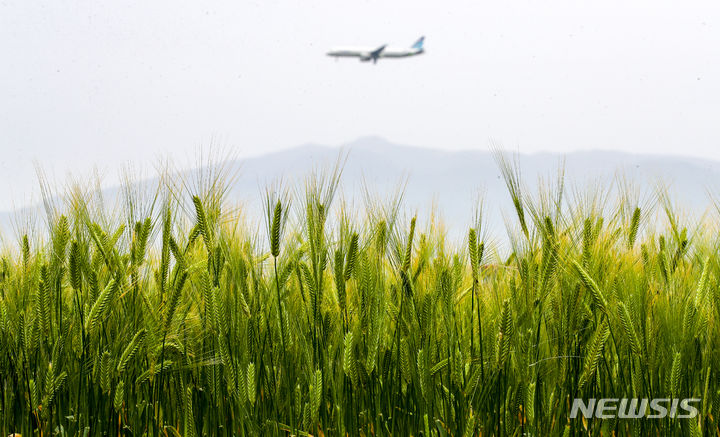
x=419, y=43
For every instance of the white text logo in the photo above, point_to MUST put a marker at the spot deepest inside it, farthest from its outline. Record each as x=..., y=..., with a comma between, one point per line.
x=608, y=408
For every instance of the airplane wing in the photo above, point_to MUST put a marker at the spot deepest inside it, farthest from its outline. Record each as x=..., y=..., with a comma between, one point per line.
x=376, y=53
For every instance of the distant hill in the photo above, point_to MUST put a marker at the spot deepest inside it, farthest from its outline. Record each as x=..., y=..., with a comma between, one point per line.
x=451, y=180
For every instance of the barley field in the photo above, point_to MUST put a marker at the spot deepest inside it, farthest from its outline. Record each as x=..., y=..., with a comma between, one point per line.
x=173, y=314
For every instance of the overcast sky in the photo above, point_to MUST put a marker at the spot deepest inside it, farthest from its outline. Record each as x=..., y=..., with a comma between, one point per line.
x=86, y=83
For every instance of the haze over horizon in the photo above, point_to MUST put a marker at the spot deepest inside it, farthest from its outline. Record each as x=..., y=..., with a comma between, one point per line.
x=110, y=176
x=444, y=184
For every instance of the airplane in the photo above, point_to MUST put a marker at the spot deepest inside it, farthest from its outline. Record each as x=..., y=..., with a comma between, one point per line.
x=373, y=54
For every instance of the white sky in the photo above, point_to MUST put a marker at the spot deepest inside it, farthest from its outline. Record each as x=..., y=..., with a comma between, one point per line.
x=86, y=83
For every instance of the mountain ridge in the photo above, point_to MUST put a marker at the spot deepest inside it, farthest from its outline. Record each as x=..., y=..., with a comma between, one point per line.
x=450, y=179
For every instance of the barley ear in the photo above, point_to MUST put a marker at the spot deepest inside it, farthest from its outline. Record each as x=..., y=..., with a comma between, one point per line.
x=275, y=231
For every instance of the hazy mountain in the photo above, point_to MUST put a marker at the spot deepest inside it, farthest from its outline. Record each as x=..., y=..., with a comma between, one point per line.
x=451, y=181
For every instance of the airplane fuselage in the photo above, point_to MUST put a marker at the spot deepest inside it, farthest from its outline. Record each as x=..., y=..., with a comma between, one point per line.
x=365, y=53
